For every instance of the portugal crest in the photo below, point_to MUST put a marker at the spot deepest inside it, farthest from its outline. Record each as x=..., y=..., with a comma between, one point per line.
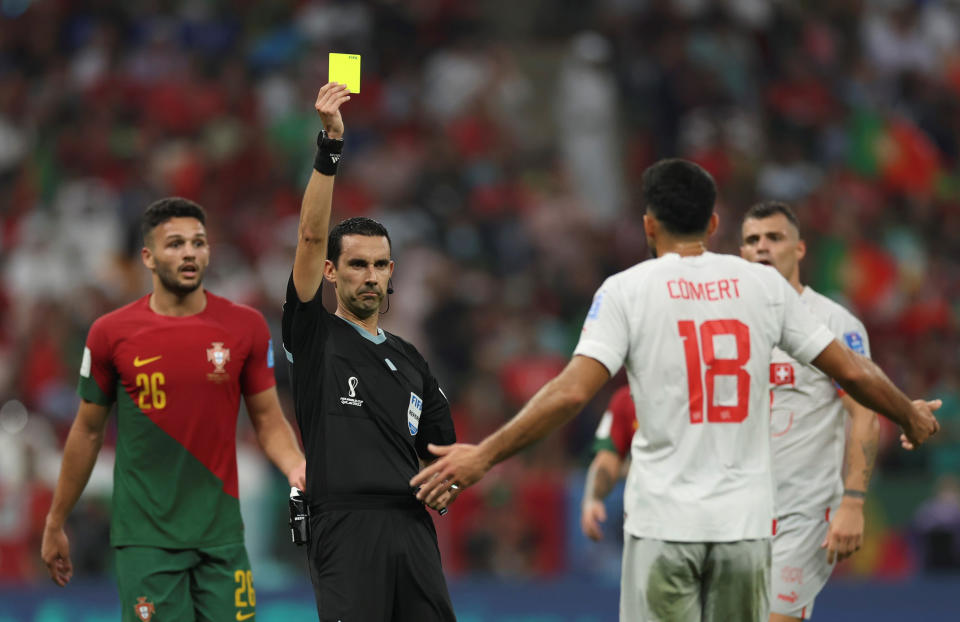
x=144, y=609
x=218, y=355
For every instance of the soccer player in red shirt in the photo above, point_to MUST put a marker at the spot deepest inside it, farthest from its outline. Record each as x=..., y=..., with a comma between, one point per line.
x=176, y=363
x=612, y=447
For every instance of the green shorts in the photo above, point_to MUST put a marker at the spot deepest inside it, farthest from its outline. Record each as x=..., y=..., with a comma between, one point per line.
x=185, y=585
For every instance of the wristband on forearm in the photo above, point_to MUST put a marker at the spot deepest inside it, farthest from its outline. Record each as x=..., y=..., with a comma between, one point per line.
x=855, y=494
x=328, y=154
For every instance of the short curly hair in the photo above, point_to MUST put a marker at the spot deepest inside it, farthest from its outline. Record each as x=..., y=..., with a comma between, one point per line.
x=163, y=210
x=679, y=194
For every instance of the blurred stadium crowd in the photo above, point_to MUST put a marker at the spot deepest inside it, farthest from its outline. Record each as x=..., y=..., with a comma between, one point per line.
x=502, y=144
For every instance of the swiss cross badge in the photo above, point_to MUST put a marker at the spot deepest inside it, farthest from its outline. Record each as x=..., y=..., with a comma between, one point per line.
x=218, y=355
x=144, y=609
x=781, y=373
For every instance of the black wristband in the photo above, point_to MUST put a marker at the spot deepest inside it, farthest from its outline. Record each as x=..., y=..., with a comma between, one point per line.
x=856, y=494
x=328, y=154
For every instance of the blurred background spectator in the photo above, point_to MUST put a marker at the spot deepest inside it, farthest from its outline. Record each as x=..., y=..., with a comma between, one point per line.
x=502, y=144
x=937, y=525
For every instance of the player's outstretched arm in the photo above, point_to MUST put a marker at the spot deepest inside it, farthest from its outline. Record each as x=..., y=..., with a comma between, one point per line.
x=845, y=534
x=79, y=456
x=317, y=200
x=868, y=385
x=601, y=476
x=276, y=436
x=557, y=402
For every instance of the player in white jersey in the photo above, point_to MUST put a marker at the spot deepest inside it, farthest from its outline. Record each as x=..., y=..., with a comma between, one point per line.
x=816, y=508
x=695, y=332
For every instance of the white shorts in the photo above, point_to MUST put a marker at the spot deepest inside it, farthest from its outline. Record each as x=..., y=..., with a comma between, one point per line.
x=695, y=581
x=800, y=568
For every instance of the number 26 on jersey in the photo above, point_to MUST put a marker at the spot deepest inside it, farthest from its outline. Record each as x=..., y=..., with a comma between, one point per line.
x=152, y=395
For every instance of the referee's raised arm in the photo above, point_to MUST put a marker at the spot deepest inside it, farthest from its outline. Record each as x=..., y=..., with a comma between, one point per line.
x=318, y=197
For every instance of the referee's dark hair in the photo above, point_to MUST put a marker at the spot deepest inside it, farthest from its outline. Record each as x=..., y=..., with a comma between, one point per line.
x=358, y=225
x=766, y=209
x=163, y=210
x=679, y=194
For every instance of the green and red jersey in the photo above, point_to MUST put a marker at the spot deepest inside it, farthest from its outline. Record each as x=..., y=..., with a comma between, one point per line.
x=177, y=382
x=619, y=422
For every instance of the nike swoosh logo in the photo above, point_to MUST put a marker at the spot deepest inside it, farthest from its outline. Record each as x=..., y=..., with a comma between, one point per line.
x=137, y=362
x=245, y=616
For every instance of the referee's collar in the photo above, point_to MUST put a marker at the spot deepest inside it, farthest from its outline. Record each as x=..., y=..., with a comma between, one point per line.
x=380, y=337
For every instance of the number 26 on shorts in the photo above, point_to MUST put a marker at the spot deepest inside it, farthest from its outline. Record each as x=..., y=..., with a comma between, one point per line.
x=244, y=596
x=692, y=348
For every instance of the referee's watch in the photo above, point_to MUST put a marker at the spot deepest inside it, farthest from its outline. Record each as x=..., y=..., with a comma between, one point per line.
x=328, y=154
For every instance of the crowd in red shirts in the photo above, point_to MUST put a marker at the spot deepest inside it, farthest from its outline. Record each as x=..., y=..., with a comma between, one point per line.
x=503, y=150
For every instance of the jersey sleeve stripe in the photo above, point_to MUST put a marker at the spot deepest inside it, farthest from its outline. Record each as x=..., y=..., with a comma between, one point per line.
x=89, y=390
x=605, y=443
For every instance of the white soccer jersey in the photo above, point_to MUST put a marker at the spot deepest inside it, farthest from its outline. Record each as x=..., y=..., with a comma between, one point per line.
x=807, y=419
x=696, y=335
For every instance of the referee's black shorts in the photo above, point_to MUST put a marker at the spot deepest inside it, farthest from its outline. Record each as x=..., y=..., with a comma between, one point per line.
x=375, y=559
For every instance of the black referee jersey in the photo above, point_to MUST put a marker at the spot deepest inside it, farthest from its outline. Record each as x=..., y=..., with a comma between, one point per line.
x=367, y=406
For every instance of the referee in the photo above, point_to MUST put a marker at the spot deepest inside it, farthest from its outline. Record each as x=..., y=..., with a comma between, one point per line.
x=367, y=406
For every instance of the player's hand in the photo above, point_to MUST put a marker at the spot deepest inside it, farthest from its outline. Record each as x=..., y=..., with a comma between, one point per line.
x=55, y=552
x=441, y=503
x=923, y=424
x=297, y=477
x=592, y=515
x=332, y=95
x=458, y=466
x=845, y=533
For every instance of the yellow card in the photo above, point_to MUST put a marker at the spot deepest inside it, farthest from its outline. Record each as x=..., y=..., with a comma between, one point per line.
x=345, y=69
